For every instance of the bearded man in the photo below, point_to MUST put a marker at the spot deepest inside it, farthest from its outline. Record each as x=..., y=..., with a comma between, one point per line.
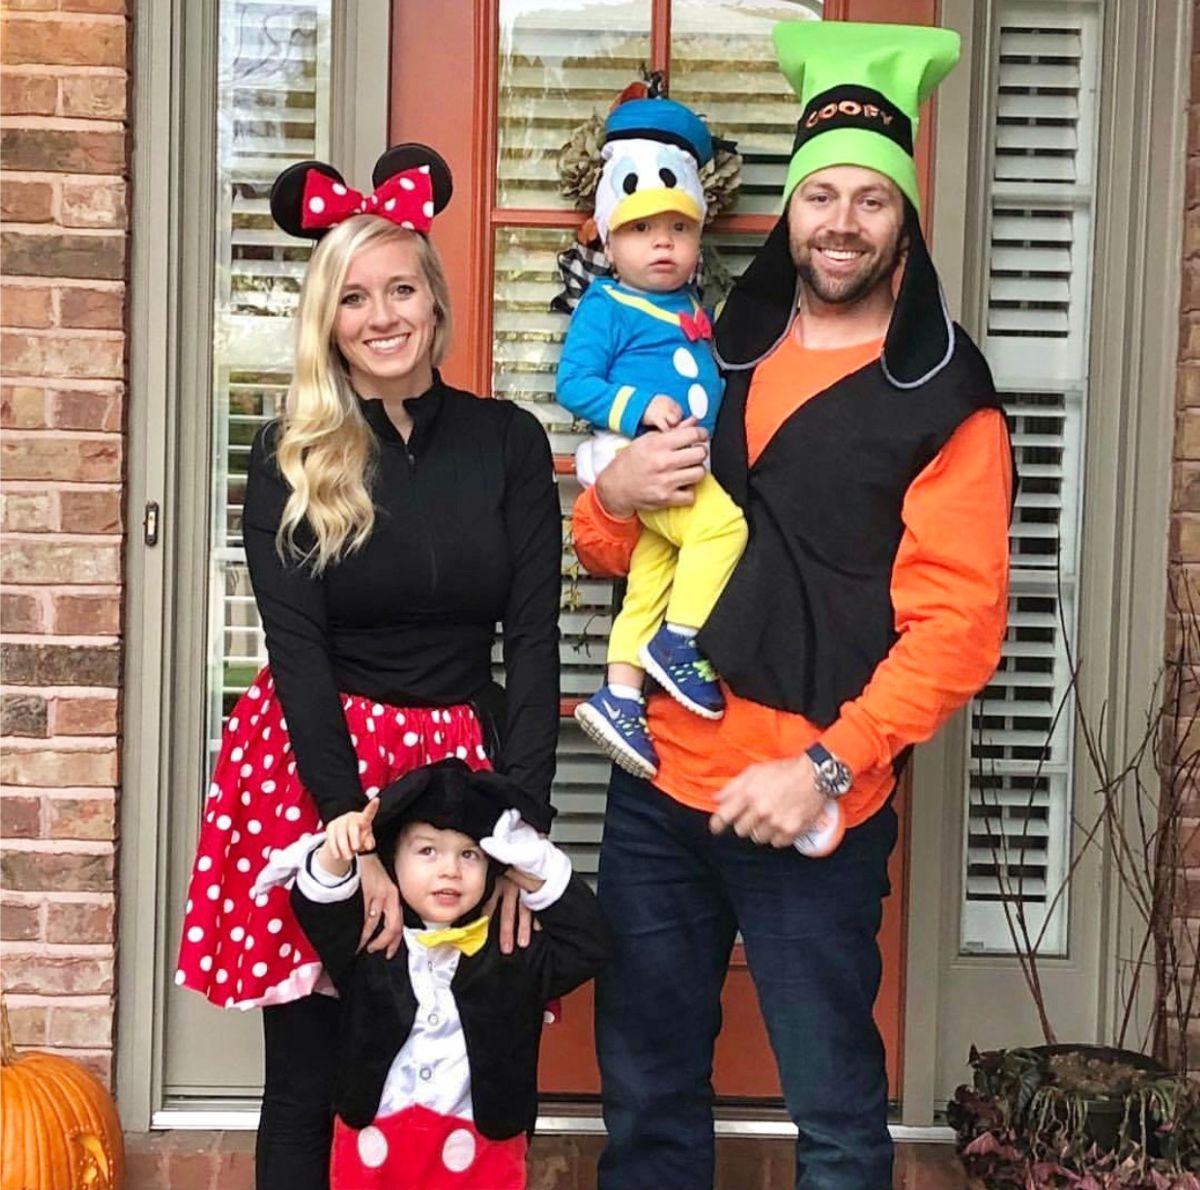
x=862, y=436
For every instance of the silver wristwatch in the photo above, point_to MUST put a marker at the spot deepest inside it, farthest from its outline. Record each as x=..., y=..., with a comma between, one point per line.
x=833, y=777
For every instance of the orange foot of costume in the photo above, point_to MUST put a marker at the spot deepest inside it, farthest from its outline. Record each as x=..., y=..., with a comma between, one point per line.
x=418, y=1149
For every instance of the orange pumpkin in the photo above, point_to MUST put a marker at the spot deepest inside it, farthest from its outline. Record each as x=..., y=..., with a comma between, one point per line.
x=58, y=1126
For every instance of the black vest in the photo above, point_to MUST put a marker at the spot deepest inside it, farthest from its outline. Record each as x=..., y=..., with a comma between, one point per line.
x=807, y=615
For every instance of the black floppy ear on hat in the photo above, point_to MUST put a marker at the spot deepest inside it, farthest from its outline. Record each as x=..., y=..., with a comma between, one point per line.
x=399, y=158
x=759, y=308
x=396, y=799
x=507, y=794
x=920, y=338
x=287, y=198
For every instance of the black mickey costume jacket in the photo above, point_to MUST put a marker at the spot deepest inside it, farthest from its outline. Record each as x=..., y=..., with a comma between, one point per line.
x=500, y=998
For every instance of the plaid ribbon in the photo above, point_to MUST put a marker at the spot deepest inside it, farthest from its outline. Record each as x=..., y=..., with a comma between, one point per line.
x=580, y=265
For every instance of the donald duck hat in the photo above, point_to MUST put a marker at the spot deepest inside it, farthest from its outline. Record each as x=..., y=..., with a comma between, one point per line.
x=653, y=152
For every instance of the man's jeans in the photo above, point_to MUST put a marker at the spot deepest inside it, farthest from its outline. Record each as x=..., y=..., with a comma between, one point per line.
x=675, y=896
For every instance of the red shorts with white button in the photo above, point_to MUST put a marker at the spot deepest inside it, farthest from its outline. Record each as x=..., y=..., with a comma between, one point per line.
x=243, y=951
x=418, y=1149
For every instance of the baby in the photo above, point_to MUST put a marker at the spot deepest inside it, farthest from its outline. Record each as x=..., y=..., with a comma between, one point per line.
x=637, y=359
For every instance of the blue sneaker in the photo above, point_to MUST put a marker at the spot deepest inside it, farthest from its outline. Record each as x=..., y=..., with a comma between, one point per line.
x=618, y=725
x=678, y=666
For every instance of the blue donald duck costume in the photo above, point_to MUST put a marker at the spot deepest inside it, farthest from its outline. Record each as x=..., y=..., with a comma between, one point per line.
x=626, y=346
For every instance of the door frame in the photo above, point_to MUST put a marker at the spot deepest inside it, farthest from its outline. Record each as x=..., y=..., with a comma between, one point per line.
x=169, y=430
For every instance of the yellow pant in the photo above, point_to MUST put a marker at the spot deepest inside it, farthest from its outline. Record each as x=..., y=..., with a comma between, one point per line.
x=680, y=565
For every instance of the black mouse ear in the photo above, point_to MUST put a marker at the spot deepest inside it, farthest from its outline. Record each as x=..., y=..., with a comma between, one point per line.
x=287, y=197
x=399, y=158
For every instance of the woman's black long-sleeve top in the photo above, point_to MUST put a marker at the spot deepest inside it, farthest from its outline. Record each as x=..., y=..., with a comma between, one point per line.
x=467, y=534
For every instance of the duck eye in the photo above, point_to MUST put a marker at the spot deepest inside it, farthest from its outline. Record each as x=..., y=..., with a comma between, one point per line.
x=629, y=183
x=668, y=176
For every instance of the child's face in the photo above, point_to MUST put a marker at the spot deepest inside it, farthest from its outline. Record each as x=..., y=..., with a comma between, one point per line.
x=658, y=253
x=441, y=874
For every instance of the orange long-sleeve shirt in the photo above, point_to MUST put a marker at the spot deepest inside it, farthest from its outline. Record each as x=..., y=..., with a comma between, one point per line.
x=949, y=590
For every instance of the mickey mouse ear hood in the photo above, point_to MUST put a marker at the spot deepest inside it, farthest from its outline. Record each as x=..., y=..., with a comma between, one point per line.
x=451, y=796
x=861, y=86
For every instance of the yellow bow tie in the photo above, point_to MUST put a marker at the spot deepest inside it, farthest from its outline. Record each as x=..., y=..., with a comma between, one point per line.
x=469, y=938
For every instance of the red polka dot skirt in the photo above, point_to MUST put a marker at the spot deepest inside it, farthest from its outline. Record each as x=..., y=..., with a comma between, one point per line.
x=242, y=951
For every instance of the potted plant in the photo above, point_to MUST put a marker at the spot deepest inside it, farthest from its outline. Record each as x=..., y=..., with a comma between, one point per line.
x=1102, y=1117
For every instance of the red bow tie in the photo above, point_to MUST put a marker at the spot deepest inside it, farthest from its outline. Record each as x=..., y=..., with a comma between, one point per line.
x=697, y=327
x=405, y=199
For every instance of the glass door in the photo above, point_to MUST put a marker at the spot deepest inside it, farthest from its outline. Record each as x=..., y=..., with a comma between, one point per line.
x=528, y=74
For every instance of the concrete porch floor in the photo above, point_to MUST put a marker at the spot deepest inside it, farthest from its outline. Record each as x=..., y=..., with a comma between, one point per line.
x=185, y=1160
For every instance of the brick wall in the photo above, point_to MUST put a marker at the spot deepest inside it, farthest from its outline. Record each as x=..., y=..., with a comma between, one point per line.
x=64, y=95
x=1185, y=515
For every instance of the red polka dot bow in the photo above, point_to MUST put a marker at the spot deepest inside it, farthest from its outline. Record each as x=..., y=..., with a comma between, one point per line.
x=405, y=199
x=696, y=327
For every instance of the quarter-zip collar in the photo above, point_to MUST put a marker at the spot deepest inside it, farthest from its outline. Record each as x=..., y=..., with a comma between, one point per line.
x=422, y=409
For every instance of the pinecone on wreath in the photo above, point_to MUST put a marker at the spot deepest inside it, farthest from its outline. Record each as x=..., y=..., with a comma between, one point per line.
x=580, y=163
x=721, y=178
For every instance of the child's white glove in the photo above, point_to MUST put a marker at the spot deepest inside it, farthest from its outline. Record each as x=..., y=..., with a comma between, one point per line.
x=515, y=843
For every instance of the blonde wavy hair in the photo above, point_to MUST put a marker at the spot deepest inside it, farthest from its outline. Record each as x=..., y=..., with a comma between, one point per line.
x=326, y=451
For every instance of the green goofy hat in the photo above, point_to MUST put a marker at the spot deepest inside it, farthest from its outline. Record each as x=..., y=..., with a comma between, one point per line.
x=861, y=87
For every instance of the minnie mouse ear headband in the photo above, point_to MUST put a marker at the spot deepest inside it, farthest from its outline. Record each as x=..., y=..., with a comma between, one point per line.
x=412, y=184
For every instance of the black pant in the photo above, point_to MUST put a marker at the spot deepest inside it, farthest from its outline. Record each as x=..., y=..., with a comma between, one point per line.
x=295, y=1131
x=675, y=896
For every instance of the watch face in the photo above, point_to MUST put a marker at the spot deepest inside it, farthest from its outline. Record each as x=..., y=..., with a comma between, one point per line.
x=836, y=775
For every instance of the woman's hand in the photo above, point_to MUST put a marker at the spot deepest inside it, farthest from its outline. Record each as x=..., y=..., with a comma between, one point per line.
x=655, y=471
x=381, y=902
x=516, y=921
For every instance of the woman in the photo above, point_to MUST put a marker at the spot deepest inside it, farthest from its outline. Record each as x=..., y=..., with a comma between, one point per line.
x=390, y=522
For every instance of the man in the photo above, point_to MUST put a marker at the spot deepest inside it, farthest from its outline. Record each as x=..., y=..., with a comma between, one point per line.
x=863, y=438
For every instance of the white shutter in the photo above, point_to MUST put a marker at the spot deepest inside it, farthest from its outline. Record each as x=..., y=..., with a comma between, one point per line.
x=1019, y=779
x=273, y=107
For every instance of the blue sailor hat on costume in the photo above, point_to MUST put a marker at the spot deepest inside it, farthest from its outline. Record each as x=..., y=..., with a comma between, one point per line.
x=653, y=152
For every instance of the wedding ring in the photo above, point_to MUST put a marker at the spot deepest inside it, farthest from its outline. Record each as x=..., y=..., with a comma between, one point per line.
x=754, y=837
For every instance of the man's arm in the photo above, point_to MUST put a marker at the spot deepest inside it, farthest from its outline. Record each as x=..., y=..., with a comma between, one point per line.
x=950, y=594
x=653, y=471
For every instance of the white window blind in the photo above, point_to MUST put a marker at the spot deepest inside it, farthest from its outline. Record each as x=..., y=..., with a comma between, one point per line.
x=1039, y=269
x=723, y=65
x=273, y=108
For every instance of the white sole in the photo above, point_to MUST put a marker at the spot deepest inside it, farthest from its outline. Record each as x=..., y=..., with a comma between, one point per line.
x=660, y=676
x=600, y=732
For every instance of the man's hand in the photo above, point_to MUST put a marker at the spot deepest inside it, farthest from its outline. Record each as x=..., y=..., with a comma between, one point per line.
x=381, y=902
x=771, y=803
x=662, y=413
x=655, y=471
